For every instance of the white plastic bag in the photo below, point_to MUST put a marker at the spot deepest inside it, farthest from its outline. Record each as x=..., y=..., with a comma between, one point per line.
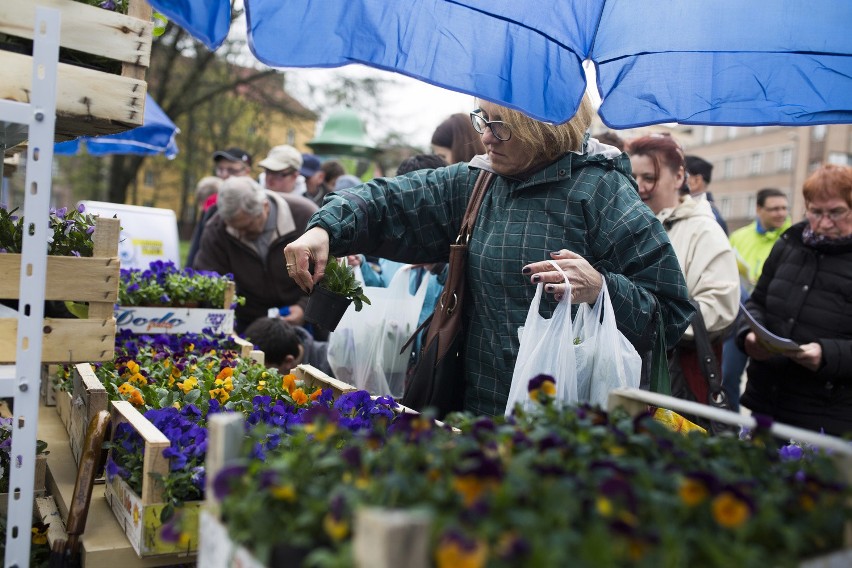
x=547, y=347
x=616, y=362
x=364, y=351
x=587, y=356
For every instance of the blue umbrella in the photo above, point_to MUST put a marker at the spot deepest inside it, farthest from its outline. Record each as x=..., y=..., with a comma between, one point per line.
x=155, y=136
x=724, y=62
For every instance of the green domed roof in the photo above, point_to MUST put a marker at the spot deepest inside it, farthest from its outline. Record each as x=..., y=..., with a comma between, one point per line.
x=343, y=134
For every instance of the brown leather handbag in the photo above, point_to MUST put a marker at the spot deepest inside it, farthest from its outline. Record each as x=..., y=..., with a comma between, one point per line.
x=438, y=378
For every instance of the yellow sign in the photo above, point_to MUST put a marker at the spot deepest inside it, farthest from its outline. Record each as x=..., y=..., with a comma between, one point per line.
x=149, y=247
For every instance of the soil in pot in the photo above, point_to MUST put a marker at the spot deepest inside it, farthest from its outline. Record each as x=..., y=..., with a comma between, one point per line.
x=325, y=309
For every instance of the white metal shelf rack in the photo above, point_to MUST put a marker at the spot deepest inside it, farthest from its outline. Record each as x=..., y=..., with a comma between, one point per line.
x=34, y=121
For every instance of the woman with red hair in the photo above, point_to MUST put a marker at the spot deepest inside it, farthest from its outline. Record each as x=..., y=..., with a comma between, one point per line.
x=805, y=293
x=702, y=248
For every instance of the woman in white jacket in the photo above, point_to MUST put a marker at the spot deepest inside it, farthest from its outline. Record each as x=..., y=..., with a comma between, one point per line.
x=705, y=255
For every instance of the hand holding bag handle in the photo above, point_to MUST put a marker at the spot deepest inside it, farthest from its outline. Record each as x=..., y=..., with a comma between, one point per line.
x=438, y=379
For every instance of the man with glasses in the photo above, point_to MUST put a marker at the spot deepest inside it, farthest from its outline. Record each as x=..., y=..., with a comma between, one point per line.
x=232, y=162
x=752, y=245
x=281, y=168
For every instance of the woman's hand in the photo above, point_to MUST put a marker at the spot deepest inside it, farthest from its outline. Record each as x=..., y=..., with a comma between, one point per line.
x=810, y=357
x=354, y=260
x=312, y=246
x=755, y=349
x=586, y=282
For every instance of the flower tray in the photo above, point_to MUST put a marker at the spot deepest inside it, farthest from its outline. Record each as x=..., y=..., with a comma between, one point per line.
x=88, y=102
x=93, y=280
x=155, y=320
x=139, y=515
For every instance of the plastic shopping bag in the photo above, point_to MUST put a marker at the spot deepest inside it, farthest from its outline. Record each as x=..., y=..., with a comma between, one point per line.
x=616, y=364
x=547, y=347
x=364, y=351
x=586, y=355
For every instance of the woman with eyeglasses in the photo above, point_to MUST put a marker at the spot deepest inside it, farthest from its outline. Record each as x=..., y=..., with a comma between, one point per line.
x=805, y=294
x=557, y=194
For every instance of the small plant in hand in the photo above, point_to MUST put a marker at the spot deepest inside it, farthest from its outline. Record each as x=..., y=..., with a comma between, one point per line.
x=340, y=279
x=70, y=231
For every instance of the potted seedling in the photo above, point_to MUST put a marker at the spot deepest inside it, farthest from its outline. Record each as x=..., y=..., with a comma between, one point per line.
x=333, y=294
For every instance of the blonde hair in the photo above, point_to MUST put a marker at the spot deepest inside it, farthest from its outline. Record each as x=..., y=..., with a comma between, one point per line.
x=549, y=141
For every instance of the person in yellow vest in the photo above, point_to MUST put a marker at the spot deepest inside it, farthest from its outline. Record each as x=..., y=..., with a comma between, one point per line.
x=752, y=244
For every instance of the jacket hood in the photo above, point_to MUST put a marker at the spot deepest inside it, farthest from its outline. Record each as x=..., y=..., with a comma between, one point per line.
x=593, y=152
x=687, y=208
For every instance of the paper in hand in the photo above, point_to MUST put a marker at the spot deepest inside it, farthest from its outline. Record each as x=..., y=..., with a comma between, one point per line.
x=769, y=340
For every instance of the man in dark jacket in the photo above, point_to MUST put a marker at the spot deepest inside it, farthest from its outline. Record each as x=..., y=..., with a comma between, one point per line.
x=247, y=237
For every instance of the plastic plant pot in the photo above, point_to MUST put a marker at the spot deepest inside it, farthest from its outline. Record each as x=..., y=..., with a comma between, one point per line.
x=325, y=309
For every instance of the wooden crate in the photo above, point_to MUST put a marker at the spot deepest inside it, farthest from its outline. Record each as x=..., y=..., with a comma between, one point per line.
x=93, y=280
x=88, y=397
x=88, y=102
x=176, y=319
x=139, y=515
x=38, y=485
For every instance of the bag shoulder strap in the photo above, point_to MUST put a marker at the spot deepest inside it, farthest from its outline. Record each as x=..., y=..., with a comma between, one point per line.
x=707, y=358
x=483, y=181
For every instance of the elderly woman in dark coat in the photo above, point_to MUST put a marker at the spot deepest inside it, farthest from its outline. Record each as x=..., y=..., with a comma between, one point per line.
x=805, y=293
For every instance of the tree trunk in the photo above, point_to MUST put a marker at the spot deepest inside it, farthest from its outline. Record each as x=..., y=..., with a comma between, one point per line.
x=123, y=170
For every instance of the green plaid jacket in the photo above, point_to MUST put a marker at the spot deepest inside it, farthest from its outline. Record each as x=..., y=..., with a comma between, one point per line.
x=587, y=204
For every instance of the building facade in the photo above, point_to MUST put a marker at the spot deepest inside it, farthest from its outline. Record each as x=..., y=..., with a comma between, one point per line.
x=747, y=159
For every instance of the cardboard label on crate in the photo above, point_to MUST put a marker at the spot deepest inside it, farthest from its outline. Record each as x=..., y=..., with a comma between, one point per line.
x=173, y=320
x=141, y=523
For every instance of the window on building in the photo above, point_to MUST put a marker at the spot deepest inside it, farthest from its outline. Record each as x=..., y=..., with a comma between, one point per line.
x=708, y=134
x=732, y=131
x=149, y=178
x=759, y=129
x=751, y=206
x=818, y=132
x=725, y=206
x=839, y=158
x=728, y=171
x=786, y=160
x=291, y=136
x=755, y=164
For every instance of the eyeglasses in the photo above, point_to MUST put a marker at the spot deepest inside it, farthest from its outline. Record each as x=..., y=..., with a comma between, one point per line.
x=499, y=129
x=834, y=215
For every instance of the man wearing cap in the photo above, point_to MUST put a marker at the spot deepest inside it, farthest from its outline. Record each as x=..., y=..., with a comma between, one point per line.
x=281, y=168
x=315, y=188
x=227, y=163
x=246, y=238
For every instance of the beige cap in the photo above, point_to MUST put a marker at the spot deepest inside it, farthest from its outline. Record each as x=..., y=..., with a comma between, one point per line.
x=282, y=158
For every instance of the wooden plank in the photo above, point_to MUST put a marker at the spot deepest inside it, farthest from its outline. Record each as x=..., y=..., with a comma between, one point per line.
x=154, y=463
x=386, y=538
x=48, y=513
x=224, y=439
x=87, y=28
x=68, y=278
x=88, y=398
x=64, y=340
x=314, y=377
x=105, y=245
x=230, y=294
x=99, y=102
x=63, y=407
x=48, y=395
x=245, y=347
